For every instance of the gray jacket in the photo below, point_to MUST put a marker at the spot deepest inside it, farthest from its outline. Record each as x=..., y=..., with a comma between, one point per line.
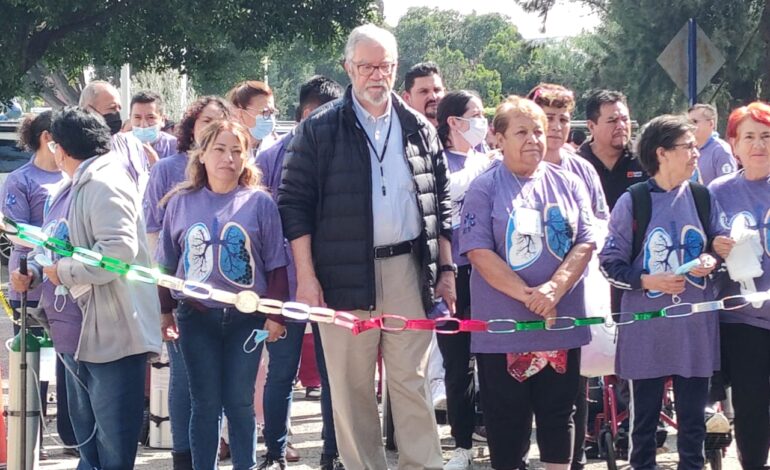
x=120, y=317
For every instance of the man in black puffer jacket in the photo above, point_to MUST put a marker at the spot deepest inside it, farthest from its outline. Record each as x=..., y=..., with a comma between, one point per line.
x=364, y=201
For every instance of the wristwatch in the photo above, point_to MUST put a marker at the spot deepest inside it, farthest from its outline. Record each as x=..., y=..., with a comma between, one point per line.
x=448, y=267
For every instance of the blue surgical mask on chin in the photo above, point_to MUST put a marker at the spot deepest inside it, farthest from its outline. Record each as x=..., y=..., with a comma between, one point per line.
x=147, y=135
x=263, y=127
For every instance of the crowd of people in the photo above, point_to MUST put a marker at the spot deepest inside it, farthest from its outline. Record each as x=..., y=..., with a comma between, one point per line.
x=415, y=205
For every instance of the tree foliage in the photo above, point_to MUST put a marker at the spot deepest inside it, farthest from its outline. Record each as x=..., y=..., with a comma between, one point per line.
x=635, y=32
x=187, y=35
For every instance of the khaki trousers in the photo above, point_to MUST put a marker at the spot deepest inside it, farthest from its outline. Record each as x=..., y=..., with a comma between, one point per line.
x=351, y=362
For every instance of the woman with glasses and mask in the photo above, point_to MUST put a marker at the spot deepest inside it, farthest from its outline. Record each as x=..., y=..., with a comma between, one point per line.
x=461, y=128
x=526, y=227
x=647, y=263
x=745, y=332
x=255, y=107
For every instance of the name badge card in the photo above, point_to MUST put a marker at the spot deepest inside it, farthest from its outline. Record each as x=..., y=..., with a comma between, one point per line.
x=528, y=221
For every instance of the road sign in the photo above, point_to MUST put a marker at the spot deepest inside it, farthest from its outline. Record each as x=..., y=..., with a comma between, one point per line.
x=673, y=59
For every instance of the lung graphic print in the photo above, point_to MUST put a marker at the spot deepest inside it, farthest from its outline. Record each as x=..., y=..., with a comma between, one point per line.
x=521, y=250
x=58, y=228
x=232, y=249
x=236, y=262
x=559, y=234
x=665, y=253
x=198, y=257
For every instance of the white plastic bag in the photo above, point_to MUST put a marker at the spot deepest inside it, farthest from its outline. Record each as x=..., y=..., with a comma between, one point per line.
x=598, y=357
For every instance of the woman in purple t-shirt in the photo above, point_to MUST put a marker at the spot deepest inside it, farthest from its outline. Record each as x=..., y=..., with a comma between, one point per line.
x=221, y=229
x=745, y=332
x=164, y=175
x=685, y=348
x=558, y=103
x=526, y=229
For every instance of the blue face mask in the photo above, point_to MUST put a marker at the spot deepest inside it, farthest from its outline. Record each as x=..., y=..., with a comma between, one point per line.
x=147, y=134
x=263, y=127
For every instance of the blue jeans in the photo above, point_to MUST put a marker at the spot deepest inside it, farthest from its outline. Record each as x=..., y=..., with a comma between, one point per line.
x=63, y=424
x=221, y=375
x=281, y=372
x=284, y=361
x=179, y=406
x=110, y=398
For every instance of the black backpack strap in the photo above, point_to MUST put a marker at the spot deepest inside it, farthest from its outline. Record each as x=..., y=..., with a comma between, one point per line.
x=702, y=198
x=641, y=206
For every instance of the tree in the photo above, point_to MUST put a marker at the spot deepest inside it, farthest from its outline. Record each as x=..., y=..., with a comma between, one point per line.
x=509, y=54
x=181, y=34
x=635, y=32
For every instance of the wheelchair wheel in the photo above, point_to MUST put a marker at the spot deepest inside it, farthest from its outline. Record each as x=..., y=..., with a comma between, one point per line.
x=608, y=445
x=714, y=459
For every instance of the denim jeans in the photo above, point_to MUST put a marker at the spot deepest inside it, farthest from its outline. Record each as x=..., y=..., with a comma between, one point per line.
x=327, y=413
x=179, y=406
x=222, y=376
x=63, y=424
x=110, y=398
x=281, y=372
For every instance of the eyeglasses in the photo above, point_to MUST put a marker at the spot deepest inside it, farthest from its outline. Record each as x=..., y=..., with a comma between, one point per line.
x=689, y=146
x=386, y=68
x=266, y=113
x=52, y=146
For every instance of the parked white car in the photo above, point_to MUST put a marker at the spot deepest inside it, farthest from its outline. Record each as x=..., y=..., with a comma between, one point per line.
x=11, y=158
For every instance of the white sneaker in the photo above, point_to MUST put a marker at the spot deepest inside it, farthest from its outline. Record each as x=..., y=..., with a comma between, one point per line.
x=438, y=394
x=462, y=459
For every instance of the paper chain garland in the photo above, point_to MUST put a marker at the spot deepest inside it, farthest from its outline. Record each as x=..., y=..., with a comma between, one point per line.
x=251, y=302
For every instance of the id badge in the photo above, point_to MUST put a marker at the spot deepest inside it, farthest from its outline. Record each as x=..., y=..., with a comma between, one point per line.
x=528, y=221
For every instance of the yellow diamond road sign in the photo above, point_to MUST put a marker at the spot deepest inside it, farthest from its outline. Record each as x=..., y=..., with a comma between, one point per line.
x=673, y=59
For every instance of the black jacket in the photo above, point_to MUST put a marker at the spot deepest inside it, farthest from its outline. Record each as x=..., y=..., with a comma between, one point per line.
x=326, y=192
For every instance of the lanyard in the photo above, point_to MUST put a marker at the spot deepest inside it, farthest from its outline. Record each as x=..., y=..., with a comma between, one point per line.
x=380, y=157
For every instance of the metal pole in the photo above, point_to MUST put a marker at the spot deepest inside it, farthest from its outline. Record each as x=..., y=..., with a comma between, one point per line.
x=125, y=91
x=23, y=369
x=692, y=61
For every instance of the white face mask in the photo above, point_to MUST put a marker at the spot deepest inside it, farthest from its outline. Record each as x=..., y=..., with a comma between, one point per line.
x=477, y=131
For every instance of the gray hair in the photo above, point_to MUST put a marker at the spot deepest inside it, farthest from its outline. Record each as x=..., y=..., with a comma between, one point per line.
x=370, y=33
x=89, y=93
x=710, y=110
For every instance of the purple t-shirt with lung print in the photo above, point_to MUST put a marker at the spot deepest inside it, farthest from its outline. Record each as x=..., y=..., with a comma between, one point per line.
x=64, y=314
x=490, y=222
x=164, y=175
x=26, y=197
x=737, y=195
x=230, y=241
x=588, y=175
x=687, y=346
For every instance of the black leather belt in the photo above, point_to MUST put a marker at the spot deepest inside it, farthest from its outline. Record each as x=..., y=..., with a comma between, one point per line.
x=388, y=251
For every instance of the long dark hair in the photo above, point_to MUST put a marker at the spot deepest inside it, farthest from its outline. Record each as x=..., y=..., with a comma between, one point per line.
x=454, y=103
x=185, y=130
